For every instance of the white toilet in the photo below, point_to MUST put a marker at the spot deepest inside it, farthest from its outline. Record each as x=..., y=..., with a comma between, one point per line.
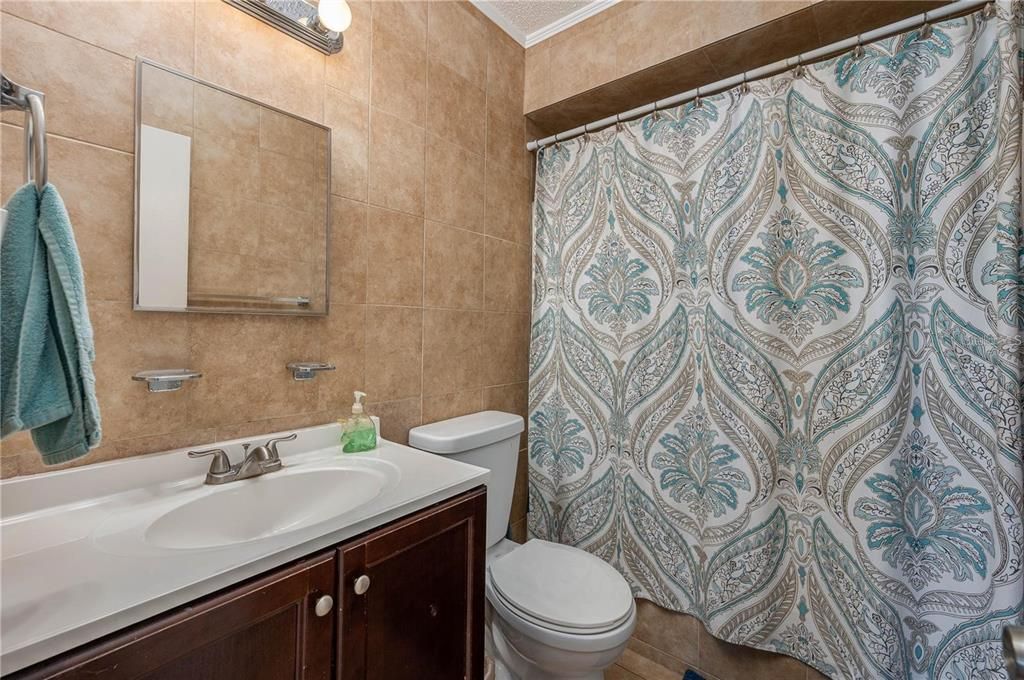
x=555, y=611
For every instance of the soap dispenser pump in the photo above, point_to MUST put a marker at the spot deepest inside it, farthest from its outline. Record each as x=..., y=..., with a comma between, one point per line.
x=358, y=432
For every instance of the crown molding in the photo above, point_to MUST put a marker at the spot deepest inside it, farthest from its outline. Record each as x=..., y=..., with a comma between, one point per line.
x=541, y=34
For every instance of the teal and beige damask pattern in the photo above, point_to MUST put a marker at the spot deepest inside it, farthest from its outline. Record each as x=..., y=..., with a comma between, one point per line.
x=776, y=365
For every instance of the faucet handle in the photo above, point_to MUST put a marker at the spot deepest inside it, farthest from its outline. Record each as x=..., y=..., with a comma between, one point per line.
x=272, y=444
x=220, y=464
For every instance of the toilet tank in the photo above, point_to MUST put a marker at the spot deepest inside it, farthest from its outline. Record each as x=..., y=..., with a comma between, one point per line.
x=488, y=439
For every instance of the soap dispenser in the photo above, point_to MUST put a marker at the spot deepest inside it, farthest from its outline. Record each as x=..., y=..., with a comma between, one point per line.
x=358, y=432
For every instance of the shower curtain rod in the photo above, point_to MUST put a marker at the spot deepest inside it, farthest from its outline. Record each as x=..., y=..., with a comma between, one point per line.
x=956, y=7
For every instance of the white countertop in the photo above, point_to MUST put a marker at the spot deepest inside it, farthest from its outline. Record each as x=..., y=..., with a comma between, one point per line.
x=64, y=582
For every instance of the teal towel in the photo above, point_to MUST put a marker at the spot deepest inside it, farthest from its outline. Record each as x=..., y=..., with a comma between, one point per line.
x=46, y=340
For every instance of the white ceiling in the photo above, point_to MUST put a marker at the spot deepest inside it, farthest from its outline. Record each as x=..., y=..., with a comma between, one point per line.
x=530, y=21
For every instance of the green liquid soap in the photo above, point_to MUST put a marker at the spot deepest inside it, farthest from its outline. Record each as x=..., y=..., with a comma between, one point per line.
x=363, y=439
x=358, y=432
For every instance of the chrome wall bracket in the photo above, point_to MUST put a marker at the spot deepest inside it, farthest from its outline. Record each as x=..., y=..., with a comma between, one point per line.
x=297, y=18
x=167, y=379
x=307, y=370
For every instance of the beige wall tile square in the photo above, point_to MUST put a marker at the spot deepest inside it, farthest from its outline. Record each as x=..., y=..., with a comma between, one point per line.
x=217, y=272
x=454, y=184
x=517, y=531
x=454, y=108
x=617, y=672
x=230, y=120
x=128, y=342
x=451, y=405
x=288, y=135
x=521, y=490
x=220, y=223
x=289, y=181
x=17, y=443
x=537, y=86
x=348, y=251
x=668, y=631
x=394, y=252
x=457, y=38
x=251, y=346
x=216, y=401
x=247, y=56
x=452, y=350
x=163, y=31
x=349, y=120
x=506, y=141
x=409, y=18
x=256, y=428
x=651, y=32
x=634, y=662
x=349, y=70
x=454, y=263
x=508, y=398
x=168, y=100
x=96, y=185
x=507, y=203
x=220, y=162
x=342, y=343
x=507, y=276
x=397, y=418
x=585, y=60
x=506, y=70
x=398, y=75
x=284, y=278
x=287, y=232
x=506, y=342
x=394, y=353
x=396, y=164
x=90, y=92
x=729, y=661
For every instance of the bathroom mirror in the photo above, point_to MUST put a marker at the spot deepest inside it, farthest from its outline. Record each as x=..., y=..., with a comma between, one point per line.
x=231, y=201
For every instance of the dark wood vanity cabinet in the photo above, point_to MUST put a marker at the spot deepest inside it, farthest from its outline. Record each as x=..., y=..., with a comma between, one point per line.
x=265, y=629
x=412, y=597
x=407, y=603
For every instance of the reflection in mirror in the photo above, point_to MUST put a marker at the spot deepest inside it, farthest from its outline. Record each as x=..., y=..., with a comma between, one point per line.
x=232, y=201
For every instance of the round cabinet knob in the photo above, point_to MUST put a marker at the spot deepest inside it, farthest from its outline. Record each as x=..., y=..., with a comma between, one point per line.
x=362, y=584
x=324, y=605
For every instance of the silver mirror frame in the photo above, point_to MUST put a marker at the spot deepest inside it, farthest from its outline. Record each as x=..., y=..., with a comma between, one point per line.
x=298, y=311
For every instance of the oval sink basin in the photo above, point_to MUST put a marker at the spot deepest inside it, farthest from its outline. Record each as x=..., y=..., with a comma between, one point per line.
x=265, y=506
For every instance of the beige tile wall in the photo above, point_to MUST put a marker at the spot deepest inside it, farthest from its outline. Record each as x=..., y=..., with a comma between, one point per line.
x=635, y=35
x=430, y=215
x=666, y=644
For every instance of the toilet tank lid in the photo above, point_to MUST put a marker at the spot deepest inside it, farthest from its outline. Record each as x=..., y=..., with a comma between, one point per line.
x=463, y=433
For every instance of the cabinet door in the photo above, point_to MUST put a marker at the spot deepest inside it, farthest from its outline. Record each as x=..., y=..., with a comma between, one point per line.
x=266, y=629
x=412, y=597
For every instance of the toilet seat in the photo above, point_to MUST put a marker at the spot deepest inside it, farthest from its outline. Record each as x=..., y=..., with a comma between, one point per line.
x=560, y=589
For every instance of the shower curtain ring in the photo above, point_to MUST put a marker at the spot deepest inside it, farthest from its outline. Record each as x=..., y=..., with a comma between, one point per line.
x=655, y=116
x=698, y=101
x=858, y=51
x=618, y=123
x=744, y=85
x=989, y=11
x=926, y=29
x=799, y=71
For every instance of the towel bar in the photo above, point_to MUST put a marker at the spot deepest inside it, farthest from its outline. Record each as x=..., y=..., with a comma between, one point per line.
x=15, y=96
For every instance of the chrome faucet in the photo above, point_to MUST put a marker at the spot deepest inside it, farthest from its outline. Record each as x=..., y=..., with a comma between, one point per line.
x=258, y=461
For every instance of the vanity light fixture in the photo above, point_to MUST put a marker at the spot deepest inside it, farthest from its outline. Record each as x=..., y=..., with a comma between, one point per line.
x=318, y=24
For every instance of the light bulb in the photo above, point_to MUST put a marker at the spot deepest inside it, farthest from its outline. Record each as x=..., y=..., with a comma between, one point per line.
x=334, y=15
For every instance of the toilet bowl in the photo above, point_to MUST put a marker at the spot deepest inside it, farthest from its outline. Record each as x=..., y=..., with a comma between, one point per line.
x=554, y=612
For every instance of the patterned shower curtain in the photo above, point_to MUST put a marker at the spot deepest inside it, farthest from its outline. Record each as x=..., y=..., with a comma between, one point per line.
x=776, y=360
